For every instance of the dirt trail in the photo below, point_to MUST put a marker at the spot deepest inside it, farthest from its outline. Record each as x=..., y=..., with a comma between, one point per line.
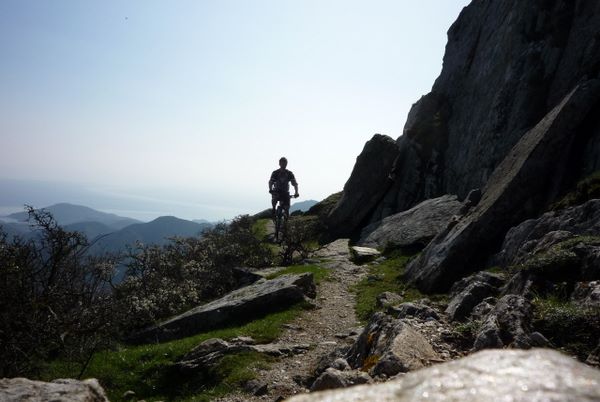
x=325, y=328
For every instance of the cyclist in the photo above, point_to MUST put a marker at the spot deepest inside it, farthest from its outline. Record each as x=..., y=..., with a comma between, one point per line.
x=279, y=187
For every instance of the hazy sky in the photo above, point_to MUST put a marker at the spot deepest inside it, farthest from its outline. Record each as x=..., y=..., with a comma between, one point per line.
x=192, y=103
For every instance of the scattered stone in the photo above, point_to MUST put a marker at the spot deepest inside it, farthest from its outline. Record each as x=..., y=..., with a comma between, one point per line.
x=361, y=255
x=509, y=324
x=128, y=395
x=341, y=364
x=412, y=229
x=482, y=310
x=242, y=304
x=387, y=299
x=418, y=310
x=491, y=375
x=389, y=346
x=594, y=357
x=256, y=387
x=62, y=390
x=333, y=378
x=587, y=294
x=208, y=353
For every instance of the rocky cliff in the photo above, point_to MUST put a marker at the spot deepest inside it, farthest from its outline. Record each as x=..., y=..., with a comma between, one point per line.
x=506, y=66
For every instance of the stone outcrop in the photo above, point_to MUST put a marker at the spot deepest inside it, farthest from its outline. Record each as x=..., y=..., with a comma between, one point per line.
x=521, y=185
x=534, y=235
x=242, y=304
x=412, y=229
x=469, y=292
x=491, y=375
x=363, y=254
x=64, y=390
x=508, y=324
x=365, y=188
x=389, y=346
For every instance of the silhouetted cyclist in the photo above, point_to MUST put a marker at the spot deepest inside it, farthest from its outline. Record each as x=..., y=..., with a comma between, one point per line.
x=279, y=187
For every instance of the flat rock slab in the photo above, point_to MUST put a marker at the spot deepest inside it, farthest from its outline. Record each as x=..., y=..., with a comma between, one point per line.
x=413, y=228
x=64, y=390
x=495, y=375
x=335, y=249
x=364, y=254
x=242, y=305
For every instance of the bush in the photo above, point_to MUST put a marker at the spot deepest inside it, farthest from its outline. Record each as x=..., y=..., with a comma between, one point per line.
x=161, y=281
x=55, y=300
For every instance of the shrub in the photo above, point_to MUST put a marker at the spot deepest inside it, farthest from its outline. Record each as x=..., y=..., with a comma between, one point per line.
x=55, y=300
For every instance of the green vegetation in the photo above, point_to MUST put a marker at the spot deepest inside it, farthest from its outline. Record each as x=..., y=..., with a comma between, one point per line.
x=384, y=277
x=570, y=326
x=585, y=190
x=148, y=371
x=259, y=228
x=319, y=273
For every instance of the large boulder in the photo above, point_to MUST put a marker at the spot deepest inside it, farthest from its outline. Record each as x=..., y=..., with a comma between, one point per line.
x=413, y=228
x=492, y=375
x=365, y=187
x=64, y=390
x=388, y=346
x=242, y=304
x=520, y=186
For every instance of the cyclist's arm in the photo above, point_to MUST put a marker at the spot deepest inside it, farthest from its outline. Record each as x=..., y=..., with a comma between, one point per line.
x=294, y=183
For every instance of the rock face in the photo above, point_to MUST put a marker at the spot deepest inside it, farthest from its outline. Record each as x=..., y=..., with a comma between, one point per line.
x=506, y=66
x=498, y=375
x=519, y=187
x=243, y=304
x=389, y=346
x=413, y=228
x=67, y=390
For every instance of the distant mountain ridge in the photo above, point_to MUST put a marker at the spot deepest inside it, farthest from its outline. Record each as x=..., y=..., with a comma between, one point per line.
x=67, y=214
x=156, y=232
x=108, y=232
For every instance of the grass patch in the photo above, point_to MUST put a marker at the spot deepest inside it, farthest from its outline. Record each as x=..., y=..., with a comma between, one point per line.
x=569, y=326
x=147, y=369
x=384, y=277
x=319, y=273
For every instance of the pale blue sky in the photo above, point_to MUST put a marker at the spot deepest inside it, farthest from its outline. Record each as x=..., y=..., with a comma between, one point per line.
x=193, y=102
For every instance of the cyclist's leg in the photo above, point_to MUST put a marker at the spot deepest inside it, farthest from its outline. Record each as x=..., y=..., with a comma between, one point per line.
x=285, y=203
x=274, y=199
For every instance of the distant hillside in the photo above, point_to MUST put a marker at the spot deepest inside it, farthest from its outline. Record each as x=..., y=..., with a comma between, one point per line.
x=67, y=214
x=303, y=205
x=156, y=232
x=90, y=229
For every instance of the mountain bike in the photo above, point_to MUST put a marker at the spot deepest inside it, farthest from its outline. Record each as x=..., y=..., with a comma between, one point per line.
x=281, y=221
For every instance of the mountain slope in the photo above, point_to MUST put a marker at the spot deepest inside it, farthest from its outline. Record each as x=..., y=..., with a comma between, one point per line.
x=155, y=232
